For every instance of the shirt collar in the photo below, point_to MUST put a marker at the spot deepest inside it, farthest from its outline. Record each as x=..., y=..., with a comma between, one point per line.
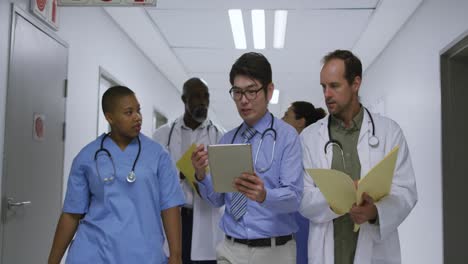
x=262, y=124
x=203, y=125
x=355, y=124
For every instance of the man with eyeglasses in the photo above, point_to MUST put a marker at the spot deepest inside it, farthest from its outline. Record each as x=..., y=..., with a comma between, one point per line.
x=258, y=219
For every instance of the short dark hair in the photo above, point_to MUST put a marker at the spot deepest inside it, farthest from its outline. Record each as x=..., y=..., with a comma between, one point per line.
x=353, y=66
x=253, y=65
x=113, y=93
x=307, y=111
x=191, y=83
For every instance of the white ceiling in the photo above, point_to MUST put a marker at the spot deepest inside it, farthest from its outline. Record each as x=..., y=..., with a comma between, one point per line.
x=197, y=41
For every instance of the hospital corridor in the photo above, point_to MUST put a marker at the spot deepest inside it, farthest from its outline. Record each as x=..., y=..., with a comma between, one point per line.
x=186, y=73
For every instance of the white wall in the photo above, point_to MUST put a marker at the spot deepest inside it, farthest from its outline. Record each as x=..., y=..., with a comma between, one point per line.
x=407, y=76
x=94, y=40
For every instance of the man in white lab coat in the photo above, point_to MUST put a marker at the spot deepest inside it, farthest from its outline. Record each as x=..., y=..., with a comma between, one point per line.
x=200, y=231
x=353, y=140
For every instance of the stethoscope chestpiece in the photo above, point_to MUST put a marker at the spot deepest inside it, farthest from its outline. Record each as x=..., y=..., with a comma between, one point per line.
x=373, y=141
x=131, y=177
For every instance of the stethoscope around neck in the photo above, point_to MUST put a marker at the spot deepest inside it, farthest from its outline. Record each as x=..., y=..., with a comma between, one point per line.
x=270, y=129
x=171, y=131
x=373, y=140
x=131, y=177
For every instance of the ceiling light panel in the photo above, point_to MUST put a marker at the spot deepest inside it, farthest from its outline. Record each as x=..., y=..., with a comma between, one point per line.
x=281, y=20
x=237, y=27
x=258, y=28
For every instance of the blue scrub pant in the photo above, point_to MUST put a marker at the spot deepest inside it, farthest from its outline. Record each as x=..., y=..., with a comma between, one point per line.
x=302, y=237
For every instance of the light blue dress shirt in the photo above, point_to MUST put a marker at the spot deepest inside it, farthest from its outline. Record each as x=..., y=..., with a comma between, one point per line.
x=122, y=220
x=283, y=183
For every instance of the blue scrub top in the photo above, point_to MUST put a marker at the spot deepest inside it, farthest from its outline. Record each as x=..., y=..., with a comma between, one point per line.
x=122, y=220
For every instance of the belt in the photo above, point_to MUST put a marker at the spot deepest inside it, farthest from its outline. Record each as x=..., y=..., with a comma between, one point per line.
x=262, y=242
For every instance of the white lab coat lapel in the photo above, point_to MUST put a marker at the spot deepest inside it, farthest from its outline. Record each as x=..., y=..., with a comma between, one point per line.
x=325, y=160
x=205, y=217
x=323, y=232
x=363, y=253
x=175, y=146
x=363, y=144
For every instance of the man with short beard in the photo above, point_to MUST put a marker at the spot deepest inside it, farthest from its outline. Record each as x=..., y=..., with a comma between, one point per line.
x=200, y=232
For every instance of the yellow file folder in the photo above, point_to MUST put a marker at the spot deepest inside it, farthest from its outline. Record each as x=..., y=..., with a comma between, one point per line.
x=340, y=192
x=184, y=164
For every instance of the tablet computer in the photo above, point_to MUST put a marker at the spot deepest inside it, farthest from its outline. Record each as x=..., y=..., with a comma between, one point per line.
x=228, y=161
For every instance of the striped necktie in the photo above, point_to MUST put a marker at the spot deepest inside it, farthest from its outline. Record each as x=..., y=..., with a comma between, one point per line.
x=239, y=201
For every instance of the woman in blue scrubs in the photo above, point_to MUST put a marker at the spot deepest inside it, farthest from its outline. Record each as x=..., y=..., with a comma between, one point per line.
x=122, y=192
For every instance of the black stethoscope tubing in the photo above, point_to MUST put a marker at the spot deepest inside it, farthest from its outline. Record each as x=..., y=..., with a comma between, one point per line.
x=264, y=132
x=332, y=141
x=131, y=176
x=261, y=142
x=207, y=131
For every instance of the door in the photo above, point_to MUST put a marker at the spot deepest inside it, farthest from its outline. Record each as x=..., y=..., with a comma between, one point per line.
x=34, y=141
x=454, y=77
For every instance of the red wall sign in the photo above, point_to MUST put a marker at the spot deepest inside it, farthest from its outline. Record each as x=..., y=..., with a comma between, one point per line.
x=47, y=11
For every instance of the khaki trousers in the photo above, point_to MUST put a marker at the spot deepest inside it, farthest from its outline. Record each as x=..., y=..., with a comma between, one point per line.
x=229, y=252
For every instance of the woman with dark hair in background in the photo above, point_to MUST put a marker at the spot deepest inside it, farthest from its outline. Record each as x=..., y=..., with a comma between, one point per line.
x=300, y=115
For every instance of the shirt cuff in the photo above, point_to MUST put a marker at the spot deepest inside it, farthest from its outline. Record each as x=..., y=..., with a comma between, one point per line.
x=375, y=221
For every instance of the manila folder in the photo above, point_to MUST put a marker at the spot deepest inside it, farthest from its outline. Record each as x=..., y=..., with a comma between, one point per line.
x=184, y=164
x=340, y=192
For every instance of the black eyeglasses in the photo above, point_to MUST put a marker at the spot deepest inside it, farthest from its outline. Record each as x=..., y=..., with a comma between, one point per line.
x=237, y=93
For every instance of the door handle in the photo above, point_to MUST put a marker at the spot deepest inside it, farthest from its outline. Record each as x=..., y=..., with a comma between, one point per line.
x=12, y=204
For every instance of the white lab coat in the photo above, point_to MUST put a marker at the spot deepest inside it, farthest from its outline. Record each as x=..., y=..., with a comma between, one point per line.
x=377, y=244
x=206, y=233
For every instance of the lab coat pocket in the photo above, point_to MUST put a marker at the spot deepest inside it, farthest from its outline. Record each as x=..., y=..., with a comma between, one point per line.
x=374, y=231
x=386, y=251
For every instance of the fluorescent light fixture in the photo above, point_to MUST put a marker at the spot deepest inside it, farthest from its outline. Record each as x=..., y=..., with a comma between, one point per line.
x=258, y=28
x=275, y=97
x=237, y=27
x=281, y=19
